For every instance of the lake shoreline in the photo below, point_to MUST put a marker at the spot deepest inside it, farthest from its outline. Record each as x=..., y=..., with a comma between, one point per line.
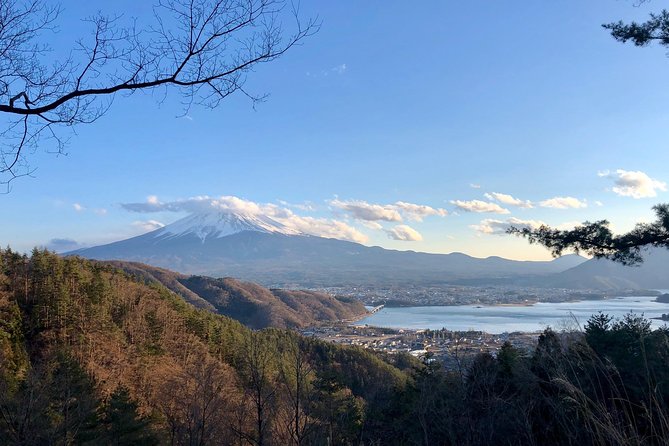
x=529, y=317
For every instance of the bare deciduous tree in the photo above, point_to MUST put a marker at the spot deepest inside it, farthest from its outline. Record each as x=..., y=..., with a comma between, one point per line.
x=296, y=375
x=203, y=49
x=195, y=404
x=259, y=377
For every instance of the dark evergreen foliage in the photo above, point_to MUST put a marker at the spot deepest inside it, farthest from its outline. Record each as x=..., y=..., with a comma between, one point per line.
x=655, y=29
x=121, y=424
x=597, y=240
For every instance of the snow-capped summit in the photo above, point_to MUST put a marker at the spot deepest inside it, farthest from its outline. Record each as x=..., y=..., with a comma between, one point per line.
x=221, y=224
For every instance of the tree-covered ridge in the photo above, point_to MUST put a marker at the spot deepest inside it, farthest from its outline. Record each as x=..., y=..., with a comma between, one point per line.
x=83, y=339
x=251, y=304
x=88, y=355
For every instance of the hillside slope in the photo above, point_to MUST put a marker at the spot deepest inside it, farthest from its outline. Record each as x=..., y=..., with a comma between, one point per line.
x=90, y=355
x=653, y=273
x=251, y=304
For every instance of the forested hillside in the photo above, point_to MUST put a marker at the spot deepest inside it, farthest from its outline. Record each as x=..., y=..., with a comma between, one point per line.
x=91, y=355
x=253, y=305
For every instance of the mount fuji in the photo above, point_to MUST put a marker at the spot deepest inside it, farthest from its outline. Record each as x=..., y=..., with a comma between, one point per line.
x=222, y=224
x=261, y=249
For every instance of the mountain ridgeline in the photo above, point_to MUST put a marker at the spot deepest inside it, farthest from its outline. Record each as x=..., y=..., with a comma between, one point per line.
x=93, y=355
x=251, y=304
x=263, y=251
x=603, y=274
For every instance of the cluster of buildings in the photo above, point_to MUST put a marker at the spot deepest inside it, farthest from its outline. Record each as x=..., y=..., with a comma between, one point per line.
x=447, y=346
x=417, y=295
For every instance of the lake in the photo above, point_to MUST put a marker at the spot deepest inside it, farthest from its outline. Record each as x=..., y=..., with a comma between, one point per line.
x=501, y=318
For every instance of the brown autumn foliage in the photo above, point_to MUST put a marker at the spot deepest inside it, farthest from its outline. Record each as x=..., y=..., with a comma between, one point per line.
x=193, y=377
x=253, y=305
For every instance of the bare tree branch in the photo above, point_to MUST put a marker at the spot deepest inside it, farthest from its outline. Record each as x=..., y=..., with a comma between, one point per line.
x=203, y=49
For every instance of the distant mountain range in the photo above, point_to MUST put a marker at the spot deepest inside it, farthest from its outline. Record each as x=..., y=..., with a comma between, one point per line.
x=262, y=250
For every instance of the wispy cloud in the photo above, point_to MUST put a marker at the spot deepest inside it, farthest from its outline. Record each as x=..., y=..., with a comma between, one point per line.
x=417, y=212
x=509, y=200
x=324, y=227
x=499, y=227
x=306, y=206
x=479, y=206
x=563, y=203
x=339, y=69
x=404, y=233
x=363, y=210
x=396, y=212
x=635, y=184
x=78, y=207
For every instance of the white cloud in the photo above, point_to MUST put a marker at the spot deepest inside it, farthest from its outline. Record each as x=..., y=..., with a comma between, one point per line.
x=404, y=233
x=497, y=227
x=321, y=227
x=100, y=211
x=417, y=212
x=78, y=207
x=147, y=225
x=509, y=200
x=475, y=186
x=362, y=210
x=563, y=203
x=635, y=184
x=479, y=206
x=599, y=203
x=197, y=204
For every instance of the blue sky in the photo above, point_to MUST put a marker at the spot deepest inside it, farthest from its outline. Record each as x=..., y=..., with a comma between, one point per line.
x=435, y=105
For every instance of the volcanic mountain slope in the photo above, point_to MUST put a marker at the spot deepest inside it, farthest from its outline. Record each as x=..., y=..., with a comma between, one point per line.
x=262, y=250
x=250, y=304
